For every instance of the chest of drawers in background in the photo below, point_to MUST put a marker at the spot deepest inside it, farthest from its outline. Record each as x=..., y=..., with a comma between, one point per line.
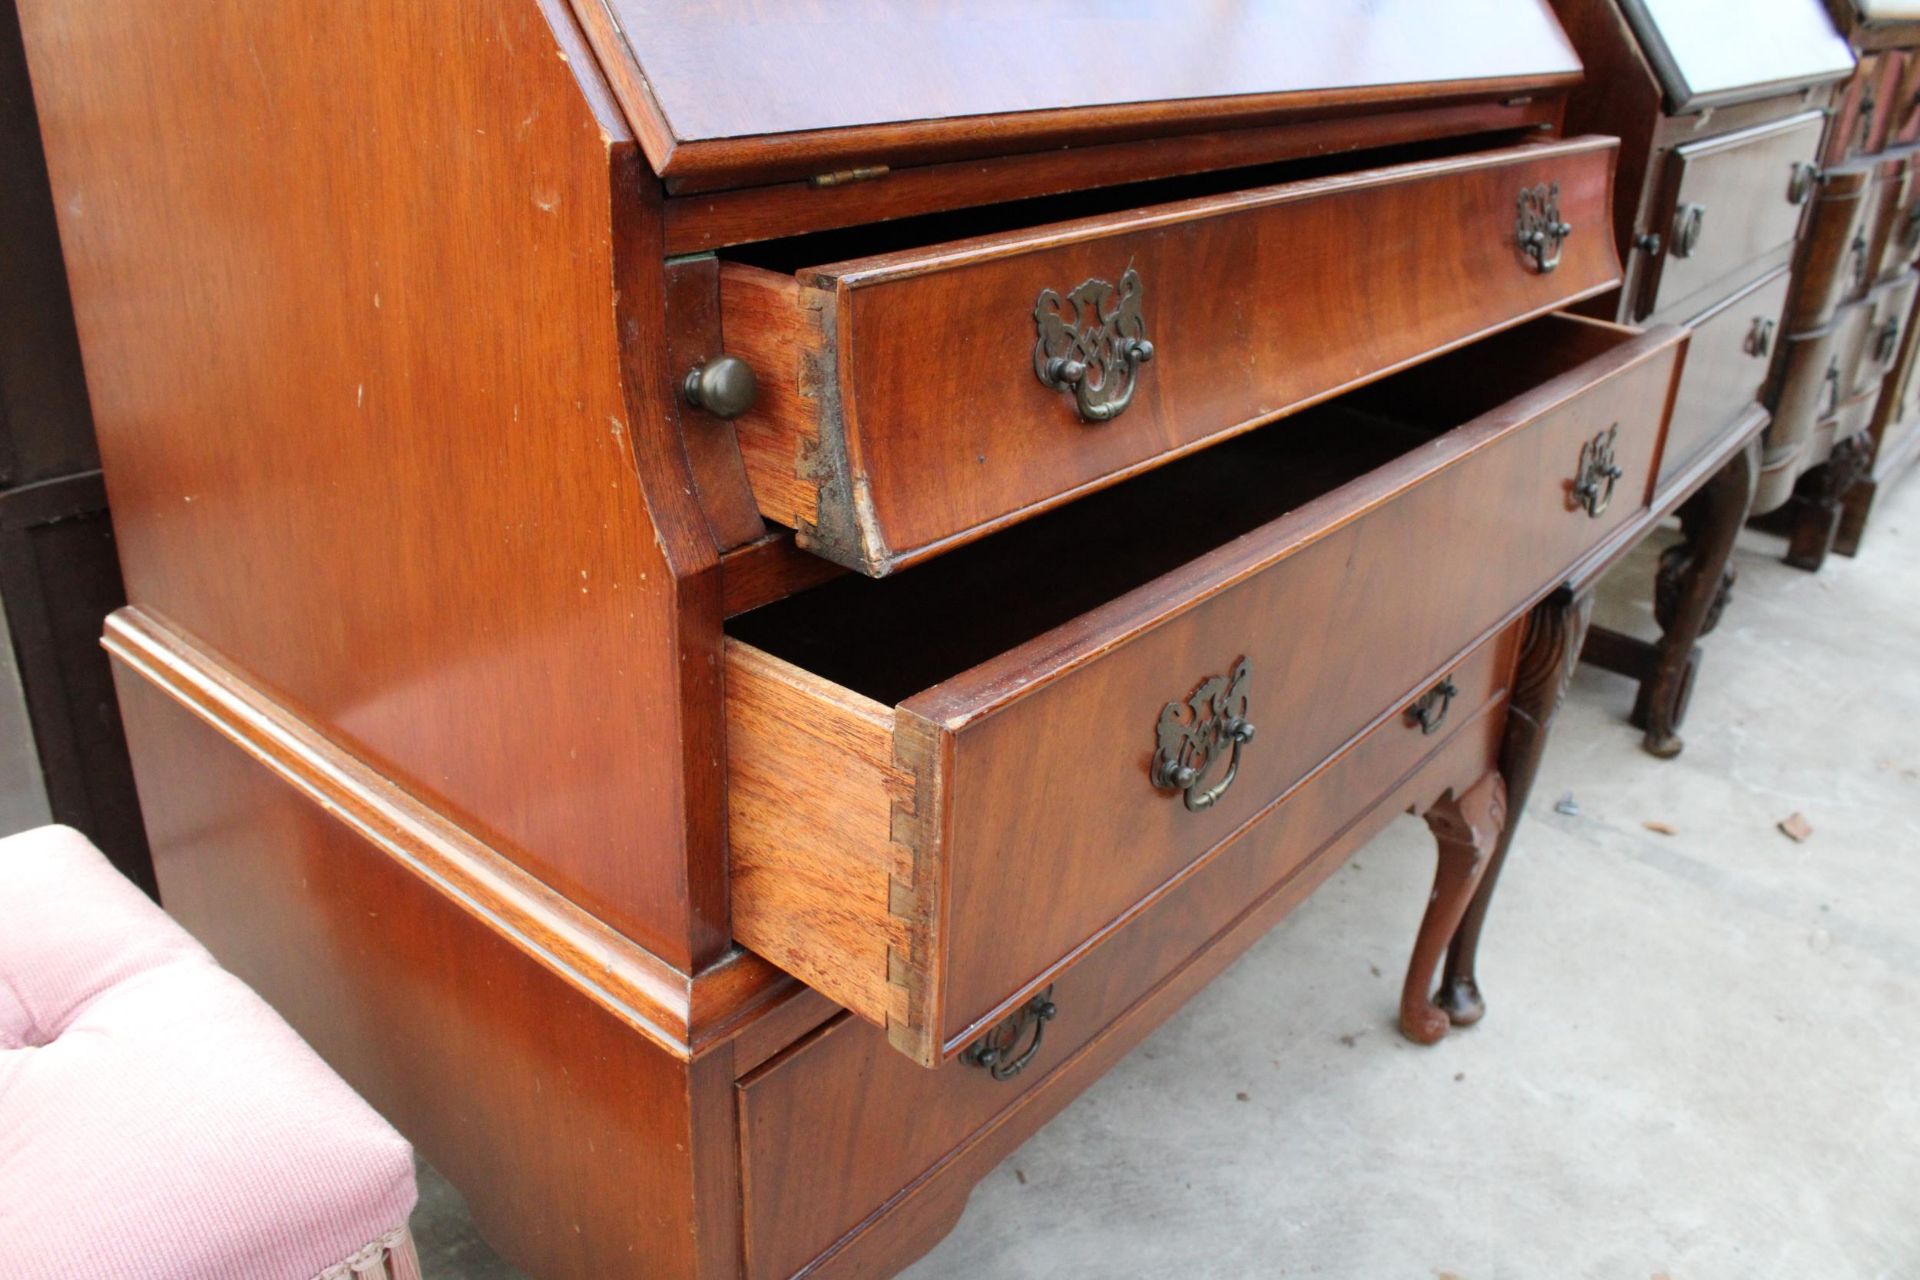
x=1721, y=127
x=1850, y=393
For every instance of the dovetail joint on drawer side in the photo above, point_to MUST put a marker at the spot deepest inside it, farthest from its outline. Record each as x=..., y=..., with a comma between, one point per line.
x=913, y=973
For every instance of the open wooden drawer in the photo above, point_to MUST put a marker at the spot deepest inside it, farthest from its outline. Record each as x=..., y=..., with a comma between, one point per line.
x=917, y=399
x=945, y=785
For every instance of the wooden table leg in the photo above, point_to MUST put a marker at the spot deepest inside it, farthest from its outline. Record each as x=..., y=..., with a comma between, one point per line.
x=1692, y=589
x=1819, y=499
x=1555, y=631
x=1467, y=829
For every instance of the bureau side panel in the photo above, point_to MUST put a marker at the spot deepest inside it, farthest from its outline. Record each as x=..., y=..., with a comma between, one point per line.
x=569, y=1135
x=344, y=272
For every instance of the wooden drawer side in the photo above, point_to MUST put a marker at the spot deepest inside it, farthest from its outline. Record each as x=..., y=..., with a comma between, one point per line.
x=829, y=816
x=780, y=327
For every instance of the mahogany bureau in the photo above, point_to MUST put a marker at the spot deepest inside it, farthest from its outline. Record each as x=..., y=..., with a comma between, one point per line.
x=729, y=603
x=1720, y=126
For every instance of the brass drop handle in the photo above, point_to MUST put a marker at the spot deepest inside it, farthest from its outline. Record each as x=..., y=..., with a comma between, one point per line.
x=1538, y=229
x=1858, y=249
x=1831, y=381
x=1760, y=337
x=1429, y=711
x=1594, y=483
x=1092, y=342
x=1687, y=221
x=1800, y=184
x=1193, y=736
x=994, y=1051
x=725, y=387
x=1910, y=229
x=1886, y=342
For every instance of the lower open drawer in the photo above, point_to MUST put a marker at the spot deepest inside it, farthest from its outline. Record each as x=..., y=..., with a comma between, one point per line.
x=946, y=785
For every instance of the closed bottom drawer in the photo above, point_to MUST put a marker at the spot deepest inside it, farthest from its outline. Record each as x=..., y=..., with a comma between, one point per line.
x=945, y=786
x=839, y=1126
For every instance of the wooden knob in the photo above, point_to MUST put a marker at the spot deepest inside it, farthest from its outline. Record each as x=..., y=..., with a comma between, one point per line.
x=724, y=386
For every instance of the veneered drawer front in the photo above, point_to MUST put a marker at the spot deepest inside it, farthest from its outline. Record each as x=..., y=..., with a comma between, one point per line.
x=878, y=1122
x=1733, y=199
x=1725, y=369
x=1010, y=814
x=903, y=405
x=1890, y=307
x=1834, y=265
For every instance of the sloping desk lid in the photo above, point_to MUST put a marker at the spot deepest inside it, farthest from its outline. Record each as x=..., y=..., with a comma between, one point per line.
x=1707, y=54
x=1888, y=10
x=729, y=91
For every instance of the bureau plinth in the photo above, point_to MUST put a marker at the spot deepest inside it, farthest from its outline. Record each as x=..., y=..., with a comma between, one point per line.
x=709, y=589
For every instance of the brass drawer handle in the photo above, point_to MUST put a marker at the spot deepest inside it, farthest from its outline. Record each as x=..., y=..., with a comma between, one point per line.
x=1093, y=343
x=1193, y=735
x=1910, y=229
x=1760, y=337
x=1687, y=221
x=1886, y=342
x=1800, y=184
x=1594, y=483
x=994, y=1051
x=1538, y=229
x=1858, y=251
x=1429, y=711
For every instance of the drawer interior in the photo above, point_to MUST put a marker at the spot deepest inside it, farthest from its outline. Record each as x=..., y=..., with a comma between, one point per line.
x=889, y=638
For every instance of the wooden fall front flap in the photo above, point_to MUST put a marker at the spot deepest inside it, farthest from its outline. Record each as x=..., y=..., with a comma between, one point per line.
x=741, y=93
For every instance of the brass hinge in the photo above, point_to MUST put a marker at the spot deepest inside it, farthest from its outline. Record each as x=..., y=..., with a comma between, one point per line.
x=841, y=177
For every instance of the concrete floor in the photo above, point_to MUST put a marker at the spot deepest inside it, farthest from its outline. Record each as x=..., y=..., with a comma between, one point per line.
x=1700, y=1060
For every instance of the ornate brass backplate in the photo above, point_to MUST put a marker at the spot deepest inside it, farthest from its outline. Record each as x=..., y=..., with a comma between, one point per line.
x=1539, y=230
x=994, y=1051
x=1092, y=342
x=1593, y=483
x=1195, y=735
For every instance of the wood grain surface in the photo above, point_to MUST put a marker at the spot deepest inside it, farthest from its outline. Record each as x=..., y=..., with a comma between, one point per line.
x=380, y=372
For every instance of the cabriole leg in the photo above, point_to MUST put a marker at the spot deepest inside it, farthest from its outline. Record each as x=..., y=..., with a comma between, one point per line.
x=1694, y=583
x=1817, y=502
x=1555, y=631
x=1467, y=829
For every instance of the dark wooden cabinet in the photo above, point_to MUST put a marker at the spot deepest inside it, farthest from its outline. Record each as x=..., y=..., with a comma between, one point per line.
x=1722, y=127
x=59, y=577
x=1869, y=443
x=736, y=604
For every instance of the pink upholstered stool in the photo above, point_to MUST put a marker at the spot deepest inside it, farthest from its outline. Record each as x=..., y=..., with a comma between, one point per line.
x=157, y=1120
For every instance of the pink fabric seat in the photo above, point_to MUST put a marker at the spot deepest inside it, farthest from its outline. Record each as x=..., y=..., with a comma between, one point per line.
x=157, y=1119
